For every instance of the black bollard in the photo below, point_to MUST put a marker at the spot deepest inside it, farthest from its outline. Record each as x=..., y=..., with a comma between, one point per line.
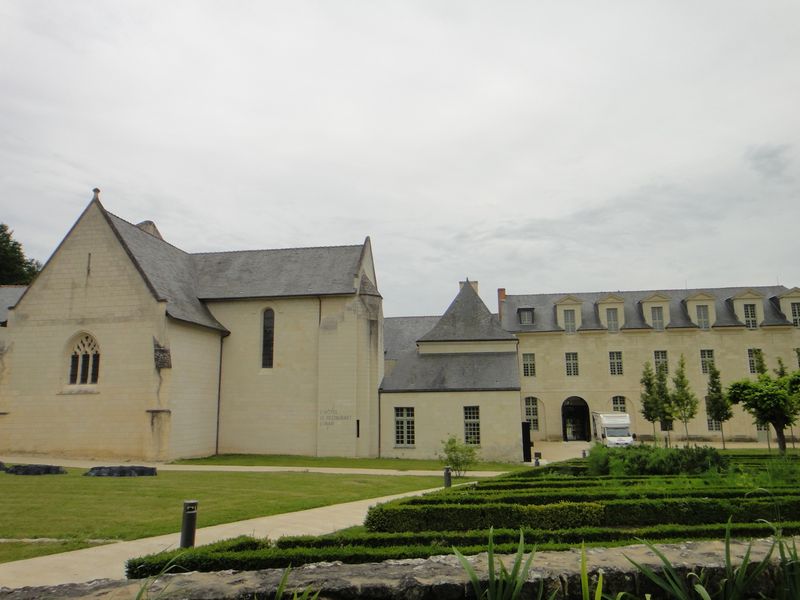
x=189, y=524
x=448, y=479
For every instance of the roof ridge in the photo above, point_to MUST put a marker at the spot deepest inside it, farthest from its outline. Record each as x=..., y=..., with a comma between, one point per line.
x=654, y=290
x=275, y=249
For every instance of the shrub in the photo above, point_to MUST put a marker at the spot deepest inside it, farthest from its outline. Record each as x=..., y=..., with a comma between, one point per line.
x=649, y=460
x=459, y=456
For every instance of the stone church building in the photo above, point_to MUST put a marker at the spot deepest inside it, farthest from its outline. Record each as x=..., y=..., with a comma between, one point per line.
x=126, y=347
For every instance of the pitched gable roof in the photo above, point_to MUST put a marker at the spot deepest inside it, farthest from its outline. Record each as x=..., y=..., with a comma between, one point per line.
x=320, y=271
x=186, y=280
x=467, y=319
x=167, y=270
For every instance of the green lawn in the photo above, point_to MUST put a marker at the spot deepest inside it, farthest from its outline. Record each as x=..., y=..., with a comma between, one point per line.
x=285, y=460
x=76, y=508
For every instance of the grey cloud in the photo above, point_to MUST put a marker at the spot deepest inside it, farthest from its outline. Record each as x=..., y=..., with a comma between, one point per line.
x=771, y=161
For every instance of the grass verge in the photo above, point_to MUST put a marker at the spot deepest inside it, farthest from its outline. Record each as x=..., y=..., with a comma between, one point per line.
x=77, y=508
x=285, y=460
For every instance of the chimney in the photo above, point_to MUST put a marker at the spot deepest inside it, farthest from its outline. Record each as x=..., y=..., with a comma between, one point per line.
x=501, y=300
x=150, y=227
x=474, y=285
x=96, y=192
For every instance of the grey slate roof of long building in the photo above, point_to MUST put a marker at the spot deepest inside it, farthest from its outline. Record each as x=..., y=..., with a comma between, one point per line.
x=544, y=306
x=453, y=372
x=185, y=280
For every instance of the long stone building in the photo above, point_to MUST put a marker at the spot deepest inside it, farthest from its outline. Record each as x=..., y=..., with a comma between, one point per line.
x=125, y=346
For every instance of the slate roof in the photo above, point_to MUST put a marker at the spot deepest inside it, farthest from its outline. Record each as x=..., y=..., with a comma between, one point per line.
x=453, y=372
x=400, y=334
x=544, y=305
x=186, y=280
x=169, y=271
x=274, y=273
x=467, y=319
x=9, y=294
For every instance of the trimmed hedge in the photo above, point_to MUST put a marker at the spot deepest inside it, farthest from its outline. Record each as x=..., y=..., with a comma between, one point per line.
x=567, y=515
x=534, y=536
x=256, y=554
x=533, y=497
x=446, y=517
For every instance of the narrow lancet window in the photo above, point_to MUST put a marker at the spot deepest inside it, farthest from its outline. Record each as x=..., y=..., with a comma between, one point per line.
x=268, y=339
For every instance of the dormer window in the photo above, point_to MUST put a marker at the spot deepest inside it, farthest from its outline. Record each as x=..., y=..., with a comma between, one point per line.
x=702, y=316
x=749, y=308
x=525, y=316
x=612, y=320
x=750, y=318
x=657, y=317
x=569, y=320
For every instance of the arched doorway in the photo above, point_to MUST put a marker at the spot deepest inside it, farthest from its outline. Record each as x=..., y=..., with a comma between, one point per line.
x=575, y=420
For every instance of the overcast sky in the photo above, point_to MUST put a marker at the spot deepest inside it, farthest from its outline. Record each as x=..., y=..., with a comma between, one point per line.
x=538, y=146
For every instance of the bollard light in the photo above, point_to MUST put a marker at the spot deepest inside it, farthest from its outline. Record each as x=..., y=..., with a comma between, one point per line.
x=448, y=478
x=189, y=524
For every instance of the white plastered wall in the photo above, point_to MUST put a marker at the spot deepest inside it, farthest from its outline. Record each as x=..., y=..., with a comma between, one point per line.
x=270, y=410
x=437, y=415
x=189, y=389
x=320, y=396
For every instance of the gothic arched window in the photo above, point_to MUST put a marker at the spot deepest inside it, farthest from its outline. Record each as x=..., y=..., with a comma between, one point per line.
x=84, y=361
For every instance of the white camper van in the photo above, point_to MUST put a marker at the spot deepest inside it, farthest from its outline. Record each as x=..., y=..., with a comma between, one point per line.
x=612, y=429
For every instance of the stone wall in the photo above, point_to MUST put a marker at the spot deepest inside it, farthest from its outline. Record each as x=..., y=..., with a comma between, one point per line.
x=440, y=578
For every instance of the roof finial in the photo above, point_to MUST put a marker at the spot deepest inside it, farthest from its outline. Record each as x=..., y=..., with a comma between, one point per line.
x=96, y=194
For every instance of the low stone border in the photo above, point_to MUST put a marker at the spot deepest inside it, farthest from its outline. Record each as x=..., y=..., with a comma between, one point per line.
x=436, y=578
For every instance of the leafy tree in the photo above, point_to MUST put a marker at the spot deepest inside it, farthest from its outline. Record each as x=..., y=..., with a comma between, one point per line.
x=458, y=455
x=682, y=399
x=648, y=397
x=15, y=269
x=773, y=400
x=717, y=404
x=781, y=370
x=663, y=401
x=761, y=365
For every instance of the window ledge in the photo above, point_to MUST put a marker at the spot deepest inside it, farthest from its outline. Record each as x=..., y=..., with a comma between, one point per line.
x=78, y=390
x=157, y=411
x=396, y=447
